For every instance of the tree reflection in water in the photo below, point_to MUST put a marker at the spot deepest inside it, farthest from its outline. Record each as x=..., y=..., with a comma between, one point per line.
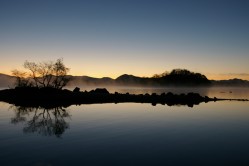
x=47, y=122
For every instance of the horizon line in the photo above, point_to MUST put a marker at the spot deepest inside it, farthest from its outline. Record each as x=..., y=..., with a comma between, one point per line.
x=223, y=76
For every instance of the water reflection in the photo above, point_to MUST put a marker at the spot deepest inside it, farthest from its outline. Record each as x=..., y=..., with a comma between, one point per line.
x=118, y=134
x=44, y=121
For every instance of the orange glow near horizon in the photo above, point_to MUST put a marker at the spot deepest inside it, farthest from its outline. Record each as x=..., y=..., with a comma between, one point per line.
x=112, y=62
x=145, y=41
x=118, y=65
x=115, y=75
x=227, y=76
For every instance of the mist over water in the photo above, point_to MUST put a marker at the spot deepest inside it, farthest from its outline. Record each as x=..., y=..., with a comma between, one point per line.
x=219, y=92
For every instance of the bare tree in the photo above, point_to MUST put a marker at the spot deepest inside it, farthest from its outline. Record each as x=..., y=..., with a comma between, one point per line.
x=21, y=80
x=44, y=74
x=60, y=72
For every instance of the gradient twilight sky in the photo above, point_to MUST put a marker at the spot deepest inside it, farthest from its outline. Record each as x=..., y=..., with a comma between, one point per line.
x=140, y=37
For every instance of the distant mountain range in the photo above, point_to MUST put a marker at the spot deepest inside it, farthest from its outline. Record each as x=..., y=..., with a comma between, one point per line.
x=130, y=80
x=231, y=82
x=6, y=80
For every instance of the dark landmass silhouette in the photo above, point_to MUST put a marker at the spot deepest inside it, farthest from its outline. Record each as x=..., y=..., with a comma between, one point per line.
x=177, y=77
x=195, y=79
x=130, y=80
x=6, y=80
x=231, y=82
x=51, y=97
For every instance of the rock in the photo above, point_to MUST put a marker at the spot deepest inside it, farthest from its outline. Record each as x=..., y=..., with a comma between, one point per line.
x=153, y=94
x=101, y=90
x=76, y=89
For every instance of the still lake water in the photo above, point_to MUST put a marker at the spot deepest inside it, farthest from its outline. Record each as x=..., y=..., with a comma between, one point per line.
x=214, y=133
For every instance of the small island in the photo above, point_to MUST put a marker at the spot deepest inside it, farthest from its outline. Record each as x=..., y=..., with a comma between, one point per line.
x=51, y=97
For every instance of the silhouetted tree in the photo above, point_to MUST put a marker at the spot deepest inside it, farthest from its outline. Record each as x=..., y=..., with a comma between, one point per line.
x=160, y=75
x=21, y=78
x=43, y=74
x=60, y=72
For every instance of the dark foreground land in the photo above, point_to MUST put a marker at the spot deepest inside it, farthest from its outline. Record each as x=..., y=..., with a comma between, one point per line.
x=51, y=97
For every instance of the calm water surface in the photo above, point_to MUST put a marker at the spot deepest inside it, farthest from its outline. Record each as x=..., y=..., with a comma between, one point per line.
x=215, y=133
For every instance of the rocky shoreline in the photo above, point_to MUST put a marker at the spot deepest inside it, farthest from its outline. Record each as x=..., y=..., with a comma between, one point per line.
x=51, y=97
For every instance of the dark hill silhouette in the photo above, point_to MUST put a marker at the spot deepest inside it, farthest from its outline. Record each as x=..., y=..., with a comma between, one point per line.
x=178, y=77
x=86, y=80
x=231, y=82
x=126, y=79
x=183, y=77
x=6, y=80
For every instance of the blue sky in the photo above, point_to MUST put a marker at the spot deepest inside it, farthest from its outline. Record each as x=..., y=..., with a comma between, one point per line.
x=141, y=37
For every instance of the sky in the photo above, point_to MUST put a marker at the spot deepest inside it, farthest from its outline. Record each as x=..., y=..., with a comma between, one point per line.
x=102, y=38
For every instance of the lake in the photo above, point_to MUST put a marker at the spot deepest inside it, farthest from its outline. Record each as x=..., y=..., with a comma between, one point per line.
x=214, y=133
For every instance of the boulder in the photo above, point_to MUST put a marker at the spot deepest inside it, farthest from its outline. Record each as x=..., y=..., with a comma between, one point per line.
x=101, y=90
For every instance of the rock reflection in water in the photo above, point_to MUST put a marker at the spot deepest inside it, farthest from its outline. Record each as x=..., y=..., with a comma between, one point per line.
x=44, y=121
